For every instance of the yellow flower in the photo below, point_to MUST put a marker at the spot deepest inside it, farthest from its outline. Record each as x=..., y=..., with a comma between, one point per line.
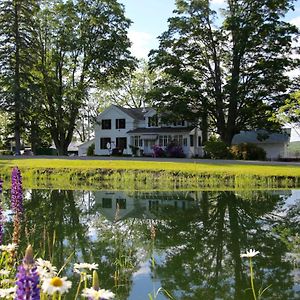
x=56, y=284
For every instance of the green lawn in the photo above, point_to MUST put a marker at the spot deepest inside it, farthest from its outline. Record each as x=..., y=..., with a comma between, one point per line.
x=192, y=168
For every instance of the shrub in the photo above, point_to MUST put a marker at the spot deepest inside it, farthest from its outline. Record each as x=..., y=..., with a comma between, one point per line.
x=6, y=152
x=217, y=149
x=158, y=151
x=174, y=150
x=248, y=151
x=91, y=149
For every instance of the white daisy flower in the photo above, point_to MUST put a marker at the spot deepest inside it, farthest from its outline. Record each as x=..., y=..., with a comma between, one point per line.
x=96, y=295
x=9, y=247
x=250, y=253
x=7, y=281
x=8, y=293
x=45, y=268
x=4, y=272
x=56, y=284
x=85, y=266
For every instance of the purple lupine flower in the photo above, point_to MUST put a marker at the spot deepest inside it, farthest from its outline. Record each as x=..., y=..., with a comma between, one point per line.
x=28, y=278
x=16, y=191
x=1, y=185
x=1, y=215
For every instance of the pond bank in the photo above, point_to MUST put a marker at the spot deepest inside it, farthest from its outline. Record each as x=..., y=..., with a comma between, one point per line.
x=149, y=173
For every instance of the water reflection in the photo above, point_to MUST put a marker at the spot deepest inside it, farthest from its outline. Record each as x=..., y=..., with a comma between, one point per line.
x=198, y=241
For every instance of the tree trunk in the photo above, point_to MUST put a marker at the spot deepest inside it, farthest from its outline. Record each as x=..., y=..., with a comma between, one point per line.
x=17, y=96
x=34, y=140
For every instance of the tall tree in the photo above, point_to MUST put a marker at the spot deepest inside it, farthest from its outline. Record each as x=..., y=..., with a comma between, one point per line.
x=230, y=70
x=130, y=90
x=17, y=36
x=81, y=42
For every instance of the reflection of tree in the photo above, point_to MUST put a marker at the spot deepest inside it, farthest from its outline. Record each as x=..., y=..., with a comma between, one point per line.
x=120, y=244
x=204, y=245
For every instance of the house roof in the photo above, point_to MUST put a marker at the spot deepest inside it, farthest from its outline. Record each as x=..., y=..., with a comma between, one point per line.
x=87, y=143
x=155, y=130
x=261, y=137
x=136, y=113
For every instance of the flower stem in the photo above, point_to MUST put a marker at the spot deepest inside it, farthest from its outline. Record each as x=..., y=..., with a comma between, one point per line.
x=252, y=279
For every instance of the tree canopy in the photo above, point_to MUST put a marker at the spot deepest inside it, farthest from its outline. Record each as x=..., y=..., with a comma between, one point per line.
x=52, y=53
x=229, y=71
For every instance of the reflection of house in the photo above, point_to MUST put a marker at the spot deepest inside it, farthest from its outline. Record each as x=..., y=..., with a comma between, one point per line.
x=128, y=128
x=123, y=205
x=275, y=144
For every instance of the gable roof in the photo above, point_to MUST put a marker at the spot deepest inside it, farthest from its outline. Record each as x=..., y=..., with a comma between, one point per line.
x=261, y=137
x=135, y=113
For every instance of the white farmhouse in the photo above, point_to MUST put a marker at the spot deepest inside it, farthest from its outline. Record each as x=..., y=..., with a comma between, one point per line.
x=141, y=128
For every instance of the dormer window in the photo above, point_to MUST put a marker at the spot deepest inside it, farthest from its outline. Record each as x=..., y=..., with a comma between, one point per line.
x=153, y=121
x=106, y=124
x=178, y=123
x=120, y=123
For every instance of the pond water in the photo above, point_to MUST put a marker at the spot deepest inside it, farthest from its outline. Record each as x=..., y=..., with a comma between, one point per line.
x=189, y=243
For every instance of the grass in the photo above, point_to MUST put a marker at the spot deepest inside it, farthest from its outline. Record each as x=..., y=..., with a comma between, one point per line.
x=143, y=174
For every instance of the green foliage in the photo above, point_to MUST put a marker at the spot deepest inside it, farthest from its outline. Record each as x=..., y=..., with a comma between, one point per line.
x=248, y=151
x=18, y=31
x=130, y=90
x=91, y=150
x=213, y=67
x=6, y=152
x=289, y=112
x=76, y=38
x=216, y=149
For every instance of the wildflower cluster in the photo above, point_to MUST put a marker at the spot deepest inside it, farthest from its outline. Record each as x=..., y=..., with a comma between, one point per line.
x=37, y=279
x=40, y=280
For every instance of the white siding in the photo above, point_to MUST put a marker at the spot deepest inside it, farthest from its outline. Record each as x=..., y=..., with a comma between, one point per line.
x=274, y=151
x=112, y=113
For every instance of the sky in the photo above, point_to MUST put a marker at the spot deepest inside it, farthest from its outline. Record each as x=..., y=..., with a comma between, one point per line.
x=150, y=19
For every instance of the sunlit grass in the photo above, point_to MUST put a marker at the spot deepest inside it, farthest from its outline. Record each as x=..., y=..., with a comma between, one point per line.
x=194, y=168
x=146, y=175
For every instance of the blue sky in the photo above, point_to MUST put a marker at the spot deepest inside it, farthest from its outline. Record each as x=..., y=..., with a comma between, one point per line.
x=150, y=20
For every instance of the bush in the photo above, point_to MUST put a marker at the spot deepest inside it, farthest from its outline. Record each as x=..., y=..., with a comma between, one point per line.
x=174, y=150
x=217, y=149
x=248, y=151
x=158, y=151
x=6, y=152
x=90, y=150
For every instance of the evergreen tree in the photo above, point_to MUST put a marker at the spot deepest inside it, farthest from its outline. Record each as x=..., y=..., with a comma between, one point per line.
x=17, y=57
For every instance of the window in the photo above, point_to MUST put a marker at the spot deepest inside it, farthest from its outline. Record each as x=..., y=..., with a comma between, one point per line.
x=178, y=139
x=106, y=203
x=199, y=141
x=106, y=124
x=153, y=121
x=120, y=123
x=121, y=203
x=178, y=123
x=121, y=142
x=191, y=140
x=185, y=142
x=103, y=142
x=164, y=140
x=137, y=141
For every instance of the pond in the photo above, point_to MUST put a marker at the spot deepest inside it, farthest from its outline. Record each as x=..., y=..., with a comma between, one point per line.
x=186, y=242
